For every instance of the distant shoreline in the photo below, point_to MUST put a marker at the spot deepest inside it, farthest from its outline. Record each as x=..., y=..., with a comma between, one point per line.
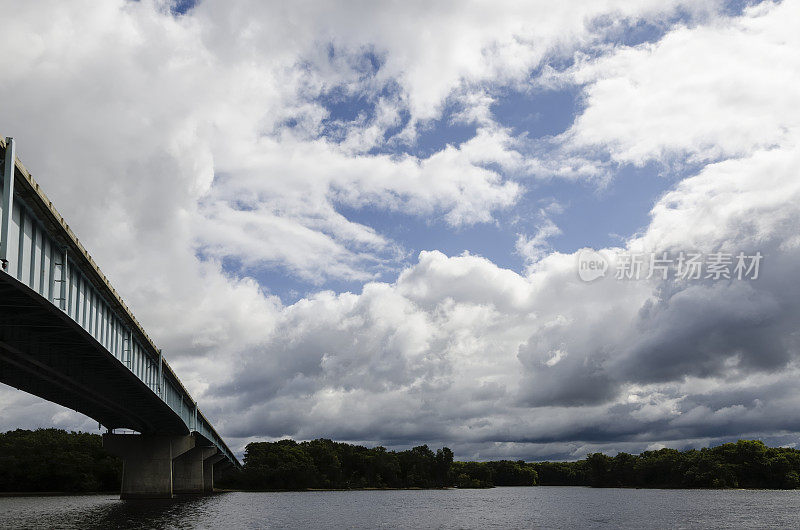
x=76, y=464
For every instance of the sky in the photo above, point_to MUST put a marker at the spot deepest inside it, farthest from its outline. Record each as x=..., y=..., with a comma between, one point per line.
x=367, y=221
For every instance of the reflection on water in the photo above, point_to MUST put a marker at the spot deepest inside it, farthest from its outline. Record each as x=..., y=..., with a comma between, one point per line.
x=538, y=507
x=103, y=511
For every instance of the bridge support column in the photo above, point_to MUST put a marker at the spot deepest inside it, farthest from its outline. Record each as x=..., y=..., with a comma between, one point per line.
x=208, y=471
x=147, y=469
x=188, y=470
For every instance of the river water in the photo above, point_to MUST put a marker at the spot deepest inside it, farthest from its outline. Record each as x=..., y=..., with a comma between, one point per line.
x=535, y=507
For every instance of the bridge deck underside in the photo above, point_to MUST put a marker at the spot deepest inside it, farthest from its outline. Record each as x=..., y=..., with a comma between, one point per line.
x=44, y=352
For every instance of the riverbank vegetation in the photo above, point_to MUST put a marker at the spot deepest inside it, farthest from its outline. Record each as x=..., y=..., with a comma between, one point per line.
x=744, y=464
x=324, y=464
x=56, y=460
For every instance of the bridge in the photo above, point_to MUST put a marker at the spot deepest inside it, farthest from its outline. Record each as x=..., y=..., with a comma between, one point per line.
x=67, y=336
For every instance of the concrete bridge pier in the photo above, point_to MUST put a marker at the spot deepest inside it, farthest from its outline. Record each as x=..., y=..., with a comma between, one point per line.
x=188, y=470
x=147, y=471
x=208, y=471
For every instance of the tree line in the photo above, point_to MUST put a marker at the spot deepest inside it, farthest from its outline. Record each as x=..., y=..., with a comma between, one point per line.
x=744, y=464
x=325, y=464
x=57, y=460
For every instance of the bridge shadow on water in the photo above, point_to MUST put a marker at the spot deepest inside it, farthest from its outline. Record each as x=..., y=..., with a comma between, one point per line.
x=150, y=513
x=100, y=512
x=184, y=511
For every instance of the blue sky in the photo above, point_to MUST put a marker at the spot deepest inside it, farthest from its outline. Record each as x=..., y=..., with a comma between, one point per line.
x=595, y=214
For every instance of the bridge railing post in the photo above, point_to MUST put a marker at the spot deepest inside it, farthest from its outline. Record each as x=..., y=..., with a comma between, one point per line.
x=8, y=200
x=127, y=346
x=62, y=282
x=161, y=374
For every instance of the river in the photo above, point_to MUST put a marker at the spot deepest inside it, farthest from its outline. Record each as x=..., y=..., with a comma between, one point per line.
x=534, y=507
